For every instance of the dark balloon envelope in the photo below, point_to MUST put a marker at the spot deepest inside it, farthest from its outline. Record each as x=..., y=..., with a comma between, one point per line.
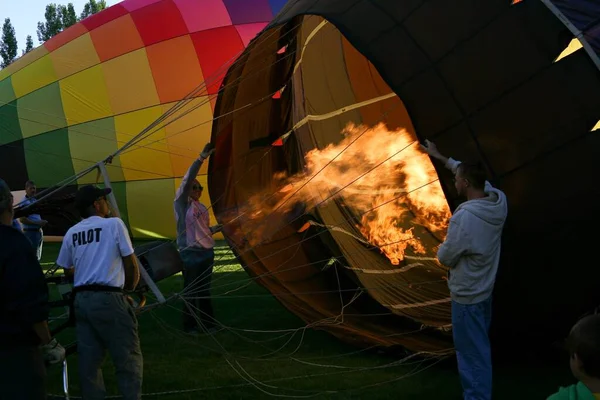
x=482, y=80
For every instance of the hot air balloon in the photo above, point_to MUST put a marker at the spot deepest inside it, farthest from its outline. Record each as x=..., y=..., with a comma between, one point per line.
x=89, y=90
x=330, y=204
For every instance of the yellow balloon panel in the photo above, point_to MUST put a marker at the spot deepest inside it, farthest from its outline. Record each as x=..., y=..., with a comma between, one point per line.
x=22, y=62
x=150, y=158
x=74, y=56
x=150, y=208
x=130, y=83
x=90, y=143
x=188, y=133
x=85, y=97
x=37, y=75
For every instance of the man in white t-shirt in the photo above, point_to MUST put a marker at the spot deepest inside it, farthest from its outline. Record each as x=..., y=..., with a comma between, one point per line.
x=98, y=253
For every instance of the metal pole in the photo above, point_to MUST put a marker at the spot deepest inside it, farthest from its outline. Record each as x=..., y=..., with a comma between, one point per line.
x=115, y=207
x=111, y=197
x=151, y=284
x=65, y=379
x=574, y=30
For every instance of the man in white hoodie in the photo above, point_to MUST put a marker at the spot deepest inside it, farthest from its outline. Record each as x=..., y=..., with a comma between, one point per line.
x=472, y=252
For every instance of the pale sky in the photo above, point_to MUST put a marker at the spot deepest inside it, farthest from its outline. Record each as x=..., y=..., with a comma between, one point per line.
x=25, y=14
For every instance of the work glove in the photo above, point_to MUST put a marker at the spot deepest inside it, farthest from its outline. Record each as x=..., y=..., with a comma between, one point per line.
x=207, y=151
x=431, y=149
x=216, y=228
x=53, y=352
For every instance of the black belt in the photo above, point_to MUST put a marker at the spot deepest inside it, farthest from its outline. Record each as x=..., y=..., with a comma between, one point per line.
x=97, y=288
x=31, y=229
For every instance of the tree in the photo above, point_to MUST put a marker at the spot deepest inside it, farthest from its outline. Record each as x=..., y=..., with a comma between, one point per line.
x=53, y=24
x=92, y=7
x=68, y=15
x=28, y=45
x=60, y=17
x=8, y=47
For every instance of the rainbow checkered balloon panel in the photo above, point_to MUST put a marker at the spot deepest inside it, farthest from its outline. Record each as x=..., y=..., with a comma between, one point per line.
x=89, y=90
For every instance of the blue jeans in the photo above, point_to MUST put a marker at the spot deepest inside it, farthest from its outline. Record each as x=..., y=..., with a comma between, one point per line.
x=470, y=327
x=37, y=239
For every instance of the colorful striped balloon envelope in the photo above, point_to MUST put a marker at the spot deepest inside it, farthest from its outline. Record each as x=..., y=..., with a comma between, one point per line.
x=86, y=92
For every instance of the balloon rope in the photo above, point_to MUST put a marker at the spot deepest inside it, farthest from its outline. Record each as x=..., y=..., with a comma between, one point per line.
x=69, y=180
x=196, y=92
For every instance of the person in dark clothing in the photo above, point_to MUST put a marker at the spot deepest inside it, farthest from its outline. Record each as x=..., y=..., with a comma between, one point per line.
x=25, y=340
x=33, y=223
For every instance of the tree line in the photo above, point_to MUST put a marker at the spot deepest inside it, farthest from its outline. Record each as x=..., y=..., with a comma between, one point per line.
x=58, y=17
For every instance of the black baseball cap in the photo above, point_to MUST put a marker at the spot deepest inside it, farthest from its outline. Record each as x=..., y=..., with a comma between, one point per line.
x=87, y=195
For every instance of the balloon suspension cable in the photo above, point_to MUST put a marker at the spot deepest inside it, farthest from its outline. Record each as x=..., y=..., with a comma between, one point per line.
x=115, y=208
x=190, y=96
x=44, y=194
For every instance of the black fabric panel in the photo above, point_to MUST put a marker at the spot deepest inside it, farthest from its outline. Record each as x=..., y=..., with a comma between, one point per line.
x=547, y=278
x=542, y=26
x=404, y=59
x=498, y=59
x=440, y=24
x=430, y=105
x=13, y=167
x=391, y=7
x=558, y=105
x=365, y=13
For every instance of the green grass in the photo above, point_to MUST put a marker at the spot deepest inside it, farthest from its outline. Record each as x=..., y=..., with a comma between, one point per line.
x=284, y=359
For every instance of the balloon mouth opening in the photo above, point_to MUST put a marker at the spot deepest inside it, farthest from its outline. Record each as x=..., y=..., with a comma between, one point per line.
x=338, y=177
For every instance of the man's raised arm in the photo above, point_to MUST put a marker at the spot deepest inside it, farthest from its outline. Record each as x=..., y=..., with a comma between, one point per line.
x=450, y=163
x=185, y=188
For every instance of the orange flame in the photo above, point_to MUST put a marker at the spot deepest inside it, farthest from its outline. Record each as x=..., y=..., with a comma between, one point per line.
x=382, y=175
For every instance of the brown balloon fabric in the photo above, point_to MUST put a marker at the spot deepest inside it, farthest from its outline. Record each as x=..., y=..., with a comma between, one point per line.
x=482, y=80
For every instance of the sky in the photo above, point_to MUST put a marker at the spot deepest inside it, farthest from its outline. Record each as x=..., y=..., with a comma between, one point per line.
x=25, y=14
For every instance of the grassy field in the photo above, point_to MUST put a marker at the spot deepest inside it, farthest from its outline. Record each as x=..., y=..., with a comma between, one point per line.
x=264, y=353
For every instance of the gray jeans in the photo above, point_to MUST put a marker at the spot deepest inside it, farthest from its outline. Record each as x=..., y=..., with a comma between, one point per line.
x=106, y=321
